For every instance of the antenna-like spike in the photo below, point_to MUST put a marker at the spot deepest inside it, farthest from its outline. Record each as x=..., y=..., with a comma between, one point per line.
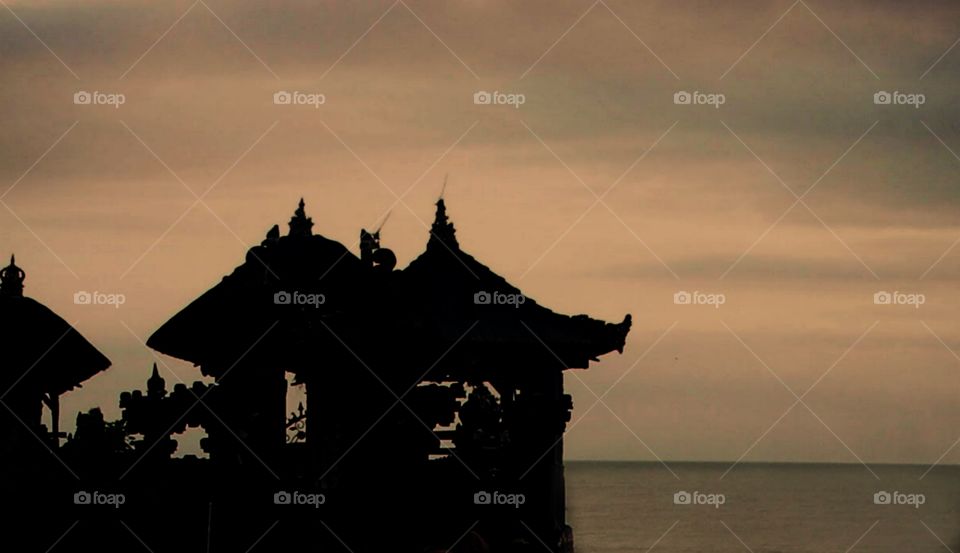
x=389, y=213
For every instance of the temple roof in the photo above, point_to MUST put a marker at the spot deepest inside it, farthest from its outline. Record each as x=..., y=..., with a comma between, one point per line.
x=39, y=348
x=244, y=315
x=422, y=311
x=454, y=291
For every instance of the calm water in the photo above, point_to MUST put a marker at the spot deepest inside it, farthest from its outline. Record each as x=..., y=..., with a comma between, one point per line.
x=772, y=508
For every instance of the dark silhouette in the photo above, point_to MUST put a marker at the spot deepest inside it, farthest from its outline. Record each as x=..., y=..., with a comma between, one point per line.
x=43, y=358
x=434, y=419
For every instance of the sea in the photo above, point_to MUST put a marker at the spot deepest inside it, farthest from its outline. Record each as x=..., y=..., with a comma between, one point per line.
x=620, y=507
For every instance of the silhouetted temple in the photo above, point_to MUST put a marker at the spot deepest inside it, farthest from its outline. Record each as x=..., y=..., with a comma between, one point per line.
x=434, y=417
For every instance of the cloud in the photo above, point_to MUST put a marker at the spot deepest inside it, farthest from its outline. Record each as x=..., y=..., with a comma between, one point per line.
x=399, y=112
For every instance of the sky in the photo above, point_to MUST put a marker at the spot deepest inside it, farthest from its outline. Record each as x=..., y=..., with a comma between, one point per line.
x=783, y=190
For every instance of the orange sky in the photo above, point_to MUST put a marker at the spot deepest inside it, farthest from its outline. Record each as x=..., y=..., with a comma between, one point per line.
x=691, y=197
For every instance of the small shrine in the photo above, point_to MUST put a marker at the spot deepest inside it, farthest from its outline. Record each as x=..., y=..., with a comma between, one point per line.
x=44, y=357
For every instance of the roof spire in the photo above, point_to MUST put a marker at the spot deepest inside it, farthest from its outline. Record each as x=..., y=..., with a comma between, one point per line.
x=300, y=224
x=156, y=385
x=11, y=279
x=442, y=229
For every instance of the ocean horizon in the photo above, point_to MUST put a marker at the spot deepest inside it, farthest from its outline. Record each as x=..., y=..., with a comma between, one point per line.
x=762, y=507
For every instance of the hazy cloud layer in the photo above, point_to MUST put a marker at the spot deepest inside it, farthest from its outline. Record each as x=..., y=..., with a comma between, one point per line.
x=705, y=210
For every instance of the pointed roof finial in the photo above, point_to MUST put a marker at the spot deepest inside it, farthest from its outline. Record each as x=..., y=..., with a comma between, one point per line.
x=11, y=279
x=442, y=229
x=156, y=385
x=300, y=224
x=444, y=187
